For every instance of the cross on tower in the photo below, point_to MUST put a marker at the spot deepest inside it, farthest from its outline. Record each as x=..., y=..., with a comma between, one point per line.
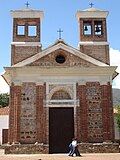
x=59, y=31
x=91, y=5
x=27, y=4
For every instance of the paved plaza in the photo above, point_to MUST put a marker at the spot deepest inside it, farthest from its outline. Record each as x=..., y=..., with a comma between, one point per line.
x=96, y=156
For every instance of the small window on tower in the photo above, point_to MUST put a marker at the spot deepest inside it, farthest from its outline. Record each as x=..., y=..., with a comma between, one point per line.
x=98, y=28
x=21, y=30
x=32, y=30
x=87, y=28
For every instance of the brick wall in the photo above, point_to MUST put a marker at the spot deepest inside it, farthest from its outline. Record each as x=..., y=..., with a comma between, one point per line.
x=93, y=37
x=94, y=112
x=26, y=22
x=28, y=113
x=99, y=52
x=28, y=117
x=41, y=115
x=70, y=60
x=95, y=121
x=14, y=120
x=107, y=111
x=20, y=53
x=82, y=119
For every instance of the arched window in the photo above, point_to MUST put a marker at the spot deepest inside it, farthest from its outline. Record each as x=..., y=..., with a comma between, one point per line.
x=60, y=95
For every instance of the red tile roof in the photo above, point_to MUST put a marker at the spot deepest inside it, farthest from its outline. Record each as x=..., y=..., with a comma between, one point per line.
x=4, y=111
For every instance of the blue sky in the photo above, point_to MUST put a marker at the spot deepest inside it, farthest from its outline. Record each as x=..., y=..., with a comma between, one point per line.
x=57, y=14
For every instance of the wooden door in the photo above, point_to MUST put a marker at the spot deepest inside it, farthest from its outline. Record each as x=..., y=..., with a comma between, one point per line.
x=61, y=129
x=4, y=136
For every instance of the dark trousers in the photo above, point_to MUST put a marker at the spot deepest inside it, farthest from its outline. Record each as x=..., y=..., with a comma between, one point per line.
x=75, y=151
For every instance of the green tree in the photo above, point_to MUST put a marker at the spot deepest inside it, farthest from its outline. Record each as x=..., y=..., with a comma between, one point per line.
x=117, y=115
x=4, y=100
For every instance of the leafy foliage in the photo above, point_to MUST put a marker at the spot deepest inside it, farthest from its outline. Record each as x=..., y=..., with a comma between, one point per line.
x=116, y=97
x=4, y=100
x=118, y=117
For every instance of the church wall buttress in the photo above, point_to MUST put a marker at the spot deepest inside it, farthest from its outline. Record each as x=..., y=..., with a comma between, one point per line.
x=83, y=128
x=41, y=115
x=107, y=111
x=11, y=115
x=14, y=121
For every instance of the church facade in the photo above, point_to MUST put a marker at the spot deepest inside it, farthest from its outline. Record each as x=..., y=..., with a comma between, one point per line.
x=60, y=92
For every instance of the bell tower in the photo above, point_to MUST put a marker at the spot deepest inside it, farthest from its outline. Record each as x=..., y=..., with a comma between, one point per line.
x=26, y=34
x=93, y=34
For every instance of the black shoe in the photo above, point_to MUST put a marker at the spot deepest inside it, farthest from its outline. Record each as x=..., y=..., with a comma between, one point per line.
x=78, y=156
x=70, y=155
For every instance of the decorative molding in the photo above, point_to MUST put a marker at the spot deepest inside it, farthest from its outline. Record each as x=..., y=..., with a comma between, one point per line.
x=69, y=87
x=26, y=43
x=93, y=43
x=27, y=13
x=39, y=82
x=17, y=82
x=103, y=82
x=30, y=71
x=82, y=82
x=91, y=14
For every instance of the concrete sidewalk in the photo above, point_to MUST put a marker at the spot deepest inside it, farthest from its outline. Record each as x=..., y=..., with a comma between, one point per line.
x=96, y=156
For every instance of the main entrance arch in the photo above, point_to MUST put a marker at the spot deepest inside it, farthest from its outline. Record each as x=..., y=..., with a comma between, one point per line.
x=61, y=122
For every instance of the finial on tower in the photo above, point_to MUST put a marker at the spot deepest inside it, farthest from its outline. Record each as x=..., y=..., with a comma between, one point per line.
x=91, y=5
x=27, y=4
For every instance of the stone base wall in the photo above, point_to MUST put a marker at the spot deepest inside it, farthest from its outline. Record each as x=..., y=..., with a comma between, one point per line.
x=26, y=149
x=98, y=148
x=44, y=149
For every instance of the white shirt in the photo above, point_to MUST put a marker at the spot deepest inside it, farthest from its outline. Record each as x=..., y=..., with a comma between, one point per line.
x=74, y=143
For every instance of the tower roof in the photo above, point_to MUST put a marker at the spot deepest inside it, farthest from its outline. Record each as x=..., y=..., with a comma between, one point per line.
x=27, y=13
x=91, y=13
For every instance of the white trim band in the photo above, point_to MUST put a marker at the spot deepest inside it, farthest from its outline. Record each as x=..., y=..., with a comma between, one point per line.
x=93, y=43
x=26, y=43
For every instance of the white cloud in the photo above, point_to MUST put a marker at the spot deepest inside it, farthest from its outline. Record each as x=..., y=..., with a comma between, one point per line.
x=4, y=88
x=115, y=61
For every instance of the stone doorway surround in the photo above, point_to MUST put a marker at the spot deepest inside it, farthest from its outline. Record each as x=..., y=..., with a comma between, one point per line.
x=61, y=95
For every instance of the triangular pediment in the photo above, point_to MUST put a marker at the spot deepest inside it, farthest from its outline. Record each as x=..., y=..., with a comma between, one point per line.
x=61, y=57
x=51, y=55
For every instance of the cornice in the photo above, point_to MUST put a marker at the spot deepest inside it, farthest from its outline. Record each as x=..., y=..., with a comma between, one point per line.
x=27, y=13
x=60, y=71
x=91, y=14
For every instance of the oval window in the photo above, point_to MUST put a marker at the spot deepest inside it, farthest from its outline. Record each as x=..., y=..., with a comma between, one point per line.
x=60, y=59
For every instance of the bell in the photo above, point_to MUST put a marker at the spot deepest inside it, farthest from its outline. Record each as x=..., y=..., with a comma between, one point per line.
x=97, y=29
x=85, y=29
